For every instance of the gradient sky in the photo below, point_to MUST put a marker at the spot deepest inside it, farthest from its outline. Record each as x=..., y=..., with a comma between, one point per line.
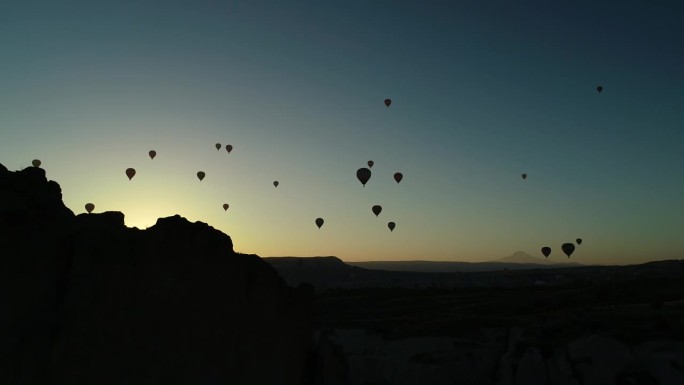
x=482, y=91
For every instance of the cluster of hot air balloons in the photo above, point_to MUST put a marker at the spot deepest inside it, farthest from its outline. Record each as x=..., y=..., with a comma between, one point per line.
x=363, y=175
x=567, y=248
x=130, y=173
x=229, y=147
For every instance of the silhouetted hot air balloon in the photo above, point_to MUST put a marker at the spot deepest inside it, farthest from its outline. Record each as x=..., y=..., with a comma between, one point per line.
x=225, y=207
x=89, y=207
x=363, y=175
x=546, y=251
x=579, y=241
x=276, y=183
x=152, y=154
x=391, y=226
x=130, y=173
x=568, y=248
x=388, y=102
x=36, y=163
x=370, y=164
x=398, y=176
x=524, y=176
x=319, y=222
x=377, y=209
x=200, y=175
x=229, y=148
x=218, y=146
x=599, y=89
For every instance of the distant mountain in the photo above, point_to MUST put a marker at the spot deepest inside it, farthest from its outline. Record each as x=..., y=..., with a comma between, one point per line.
x=523, y=257
x=331, y=272
x=517, y=261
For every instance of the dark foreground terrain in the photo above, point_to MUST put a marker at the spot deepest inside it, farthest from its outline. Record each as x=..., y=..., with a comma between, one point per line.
x=86, y=300
x=579, y=325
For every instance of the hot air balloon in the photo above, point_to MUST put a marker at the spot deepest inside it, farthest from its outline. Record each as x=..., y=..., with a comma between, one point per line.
x=89, y=207
x=152, y=154
x=377, y=209
x=229, y=148
x=200, y=175
x=370, y=164
x=398, y=176
x=130, y=173
x=363, y=174
x=319, y=222
x=225, y=207
x=524, y=176
x=36, y=163
x=578, y=241
x=218, y=146
x=568, y=248
x=388, y=102
x=391, y=226
x=546, y=251
x=276, y=183
x=599, y=89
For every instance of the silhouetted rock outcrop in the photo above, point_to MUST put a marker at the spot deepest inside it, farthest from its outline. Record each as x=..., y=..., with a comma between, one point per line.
x=86, y=300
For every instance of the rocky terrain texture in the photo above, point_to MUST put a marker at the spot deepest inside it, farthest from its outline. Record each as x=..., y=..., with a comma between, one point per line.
x=86, y=300
x=628, y=331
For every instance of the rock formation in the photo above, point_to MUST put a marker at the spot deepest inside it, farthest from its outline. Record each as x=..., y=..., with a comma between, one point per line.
x=86, y=300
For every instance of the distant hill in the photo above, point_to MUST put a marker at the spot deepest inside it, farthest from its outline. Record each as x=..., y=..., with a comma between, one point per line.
x=517, y=261
x=523, y=257
x=331, y=272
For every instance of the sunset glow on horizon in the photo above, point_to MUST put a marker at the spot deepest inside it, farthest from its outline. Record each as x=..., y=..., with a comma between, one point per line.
x=481, y=94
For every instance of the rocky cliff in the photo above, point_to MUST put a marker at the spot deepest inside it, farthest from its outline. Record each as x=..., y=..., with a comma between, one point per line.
x=86, y=300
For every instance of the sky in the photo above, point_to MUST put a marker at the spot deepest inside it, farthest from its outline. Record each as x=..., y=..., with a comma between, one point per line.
x=482, y=91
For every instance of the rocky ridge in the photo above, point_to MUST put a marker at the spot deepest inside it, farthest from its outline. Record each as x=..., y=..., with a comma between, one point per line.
x=85, y=299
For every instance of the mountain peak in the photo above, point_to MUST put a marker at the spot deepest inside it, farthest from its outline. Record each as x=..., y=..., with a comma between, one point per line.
x=523, y=257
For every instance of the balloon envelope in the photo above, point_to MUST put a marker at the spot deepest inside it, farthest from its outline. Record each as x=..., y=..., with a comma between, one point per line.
x=398, y=176
x=363, y=175
x=568, y=248
x=370, y=164
x=388, y=102
x=546, y=251
x=377, y=209
x=276, y=183
x=599, y=89
x=152, y=154
x=524, y=176
x=36, y=163
x=130, y=173
x=200, y=175
x=319, y=222
x=578, y=241
x=218, y=146
x=391, y=226
x=229, y=148
x=89, y=207
x=225, y=207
